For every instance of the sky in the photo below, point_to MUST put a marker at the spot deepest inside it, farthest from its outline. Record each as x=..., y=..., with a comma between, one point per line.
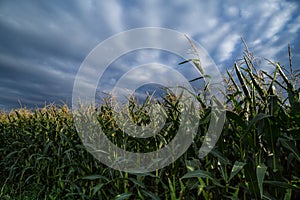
x=43, y=43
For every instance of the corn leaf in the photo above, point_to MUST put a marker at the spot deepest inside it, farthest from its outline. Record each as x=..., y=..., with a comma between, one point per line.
x=257, y=118
x=237, y=167
x=201, y=174
x=290, y=146
x=260, y=174
x=123, y=196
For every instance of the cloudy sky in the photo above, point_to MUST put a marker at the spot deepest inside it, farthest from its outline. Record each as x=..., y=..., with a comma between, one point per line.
x=43, y=43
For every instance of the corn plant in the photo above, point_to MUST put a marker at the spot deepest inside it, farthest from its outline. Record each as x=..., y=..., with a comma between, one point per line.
x=256, y=157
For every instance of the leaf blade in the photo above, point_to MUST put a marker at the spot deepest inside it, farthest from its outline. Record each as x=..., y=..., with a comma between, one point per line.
x=237, y=167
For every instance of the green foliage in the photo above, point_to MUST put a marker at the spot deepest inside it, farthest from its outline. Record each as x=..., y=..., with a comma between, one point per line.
x=256, y=157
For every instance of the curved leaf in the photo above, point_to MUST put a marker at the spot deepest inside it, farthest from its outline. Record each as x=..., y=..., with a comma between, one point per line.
x=260, y=173
x=237, y=167
x=257, y=118
x=201, y=174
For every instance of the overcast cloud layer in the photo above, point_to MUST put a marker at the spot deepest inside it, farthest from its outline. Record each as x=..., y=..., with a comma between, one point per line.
x=43, y=43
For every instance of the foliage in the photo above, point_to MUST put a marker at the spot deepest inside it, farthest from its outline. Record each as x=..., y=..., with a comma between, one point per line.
x=256, y=157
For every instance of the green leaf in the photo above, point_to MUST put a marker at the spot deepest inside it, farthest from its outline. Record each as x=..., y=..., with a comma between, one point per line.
x=280, y=184
x=137, y=182
x=91, y=177
x=260, y=173
x=145, y=174
x=45, y=151
x=242, y=81
x=236, y=118
x=290, y=146
x=94, y=177
x=172, y=190
x=150, y=194
x=284, y=77
x=191, y=165
x=288, y=194
x=97, y=188
x=262, y=93
x=257, y=118
x=197, y=173
x=201, y=174
x=233, y=81
x=238, y=166
x=221, y=158
x=122, y=196
x=186, y=61
x=201, y=77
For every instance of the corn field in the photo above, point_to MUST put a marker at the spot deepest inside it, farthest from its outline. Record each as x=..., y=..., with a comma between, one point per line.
x=256, y=157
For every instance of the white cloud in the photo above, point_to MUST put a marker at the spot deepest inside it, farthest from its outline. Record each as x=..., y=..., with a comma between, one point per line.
x=233, y=11
x=277, y=22
x=212, y=38
x=294, y=27
x=227, y=46
x=147, y=56
x=112, y=13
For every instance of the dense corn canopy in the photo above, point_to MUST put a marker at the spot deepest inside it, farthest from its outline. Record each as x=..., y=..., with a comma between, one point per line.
x=256, y=157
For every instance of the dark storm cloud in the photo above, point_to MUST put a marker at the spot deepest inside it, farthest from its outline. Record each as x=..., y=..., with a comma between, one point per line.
x=42, y=46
